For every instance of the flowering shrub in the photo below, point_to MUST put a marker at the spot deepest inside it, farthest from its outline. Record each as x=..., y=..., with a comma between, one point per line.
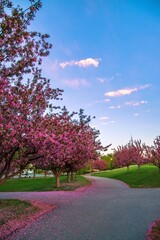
x=154, y=231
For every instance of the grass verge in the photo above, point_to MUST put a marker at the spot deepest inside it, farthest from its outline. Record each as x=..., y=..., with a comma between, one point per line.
x=15, y=214
x=12, y=209
x=42, y=184
x=147, y=178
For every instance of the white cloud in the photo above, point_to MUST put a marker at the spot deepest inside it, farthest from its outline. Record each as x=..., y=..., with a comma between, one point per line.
x=133, y=103
x=136, y=114
x=120, y=92
x=114, y=107
x=76, y=83
x=127, y=91
x=112, y=121
x=107, y=100
x=82, y=63
x=88, y=62
x=108, y=79
x=145, y=86
x=104, y=118
x=104, y=123
x=108, y=122
x=101, y=80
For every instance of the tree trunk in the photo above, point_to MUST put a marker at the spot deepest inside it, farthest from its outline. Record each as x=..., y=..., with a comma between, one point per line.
x=111, y=166
x=90, y=167
x=72, y=176
x=68, y=177
x=139, y=168
x=127, y=168
x=75, y=176
x=20, y=175
x=57, y=176
x=34, y=173
x=45, y=173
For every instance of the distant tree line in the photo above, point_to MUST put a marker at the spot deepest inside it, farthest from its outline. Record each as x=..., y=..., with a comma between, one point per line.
x=133, y=153
x=136, y=152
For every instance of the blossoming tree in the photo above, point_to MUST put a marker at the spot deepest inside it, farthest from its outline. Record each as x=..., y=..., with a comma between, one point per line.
x=133, y=152
x=122, y=156
x=23, y=101
x=156, y=152
x=99, y=164
x=67, y=144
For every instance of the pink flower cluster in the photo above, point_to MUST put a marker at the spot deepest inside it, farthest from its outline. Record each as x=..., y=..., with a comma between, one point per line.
x=99, y=164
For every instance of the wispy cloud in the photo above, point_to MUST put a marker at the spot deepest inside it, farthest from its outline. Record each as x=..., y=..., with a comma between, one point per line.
x=107, y=100
x=104, y=123
x=133, y=103
x=136, y=114
x=108, y=122
x=112, y=121
x=76, y=83
x=145, y=86
x=94, y=62
x=108, y=79
x=126, y=91
x=101, y=101
x=103, y=80
x=115, y=107
x=104, y=118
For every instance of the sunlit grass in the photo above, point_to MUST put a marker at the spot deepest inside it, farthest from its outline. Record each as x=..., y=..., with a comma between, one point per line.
x=147, y=177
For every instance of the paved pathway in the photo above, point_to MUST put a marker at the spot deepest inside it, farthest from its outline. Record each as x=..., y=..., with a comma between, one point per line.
x=108, y=210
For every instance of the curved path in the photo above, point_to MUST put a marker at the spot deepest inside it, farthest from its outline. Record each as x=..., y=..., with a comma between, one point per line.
x=107, y=210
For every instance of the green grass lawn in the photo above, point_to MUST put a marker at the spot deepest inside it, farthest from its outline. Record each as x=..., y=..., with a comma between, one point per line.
x=41, y=184
x=148, y=177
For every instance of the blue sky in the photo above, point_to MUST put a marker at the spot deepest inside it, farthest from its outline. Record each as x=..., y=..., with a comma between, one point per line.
x=106, y=58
